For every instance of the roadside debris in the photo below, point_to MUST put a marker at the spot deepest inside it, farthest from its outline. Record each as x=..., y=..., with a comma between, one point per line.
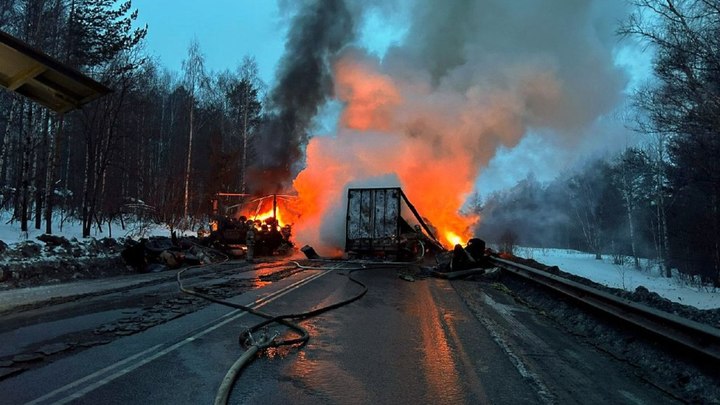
x=163, y=253
x=309, y=252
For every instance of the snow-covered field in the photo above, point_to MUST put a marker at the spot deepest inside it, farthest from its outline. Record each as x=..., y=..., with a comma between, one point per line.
x=626, y=276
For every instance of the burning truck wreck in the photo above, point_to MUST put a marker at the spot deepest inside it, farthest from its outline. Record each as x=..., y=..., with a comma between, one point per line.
x=252, y=227
x=382, y=223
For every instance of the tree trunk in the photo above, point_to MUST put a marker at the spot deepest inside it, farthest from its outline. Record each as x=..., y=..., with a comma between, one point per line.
x=590, y=230
x=68, y=155
x=25, y=193
x=41, y=171
x=15, y=166
x=86, y=214
x=4, y=152
x=245, y=145
x=661, y=208
x=189, y=163
x=628, y=196
x=103, y=176
x=665, y=237
x=631, y=227
x=54, y=161
x=100, y=162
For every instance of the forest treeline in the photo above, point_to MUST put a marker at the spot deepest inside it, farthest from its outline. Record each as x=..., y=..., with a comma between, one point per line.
x=161, y=144
x=659, y=200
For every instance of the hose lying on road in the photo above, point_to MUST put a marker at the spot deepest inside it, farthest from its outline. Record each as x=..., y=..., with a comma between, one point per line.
x=265, y=342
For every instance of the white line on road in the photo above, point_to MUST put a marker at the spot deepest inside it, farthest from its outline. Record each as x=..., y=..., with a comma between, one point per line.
x=231, y=316
x=542, y=390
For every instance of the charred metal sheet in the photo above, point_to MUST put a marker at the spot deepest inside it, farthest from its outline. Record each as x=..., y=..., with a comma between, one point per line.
x=373, y=220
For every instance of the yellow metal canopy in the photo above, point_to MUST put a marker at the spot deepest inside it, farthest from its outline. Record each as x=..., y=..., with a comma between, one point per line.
x=27, y=71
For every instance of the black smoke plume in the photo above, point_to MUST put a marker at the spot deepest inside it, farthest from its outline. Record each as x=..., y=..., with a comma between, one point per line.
x=319, y=30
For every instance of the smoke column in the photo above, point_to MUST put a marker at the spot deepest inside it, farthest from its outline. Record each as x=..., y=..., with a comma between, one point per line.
x=304, y=82
x=469, y=78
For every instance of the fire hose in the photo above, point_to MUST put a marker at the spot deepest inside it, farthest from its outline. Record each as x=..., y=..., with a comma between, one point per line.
x=264, y=342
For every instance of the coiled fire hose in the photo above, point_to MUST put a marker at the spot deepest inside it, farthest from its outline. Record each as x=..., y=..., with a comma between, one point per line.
x=253, y=346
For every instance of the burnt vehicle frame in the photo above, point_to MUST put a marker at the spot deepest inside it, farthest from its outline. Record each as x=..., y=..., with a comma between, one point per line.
x=382, y=222
x=230, y=229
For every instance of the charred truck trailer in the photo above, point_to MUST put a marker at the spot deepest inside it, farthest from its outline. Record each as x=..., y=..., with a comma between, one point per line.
x=381, y=222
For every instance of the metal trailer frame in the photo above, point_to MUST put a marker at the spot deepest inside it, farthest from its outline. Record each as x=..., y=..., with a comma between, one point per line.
x=373, y=222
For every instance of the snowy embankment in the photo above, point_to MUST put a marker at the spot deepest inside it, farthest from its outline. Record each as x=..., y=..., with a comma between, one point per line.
x=72, y=228
x=626, y=276
x=26, y=261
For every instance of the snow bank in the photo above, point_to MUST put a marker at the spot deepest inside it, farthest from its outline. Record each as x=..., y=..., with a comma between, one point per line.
x=72, y=228
x=625, y=276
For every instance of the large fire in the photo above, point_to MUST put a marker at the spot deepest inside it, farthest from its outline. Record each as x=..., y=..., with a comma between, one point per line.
x=453, y=238
x=388, y=137
x=281, y=207
x=457, y=87
x=263, y=216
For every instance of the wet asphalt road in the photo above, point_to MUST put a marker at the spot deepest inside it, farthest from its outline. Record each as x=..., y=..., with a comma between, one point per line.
x=429, y=341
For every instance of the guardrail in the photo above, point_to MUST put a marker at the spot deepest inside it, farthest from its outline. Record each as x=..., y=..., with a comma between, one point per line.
x=698, y=337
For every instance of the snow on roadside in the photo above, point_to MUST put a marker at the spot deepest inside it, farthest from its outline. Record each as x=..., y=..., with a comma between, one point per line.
x=625, y=277
x=26, y=251
x=72, y=228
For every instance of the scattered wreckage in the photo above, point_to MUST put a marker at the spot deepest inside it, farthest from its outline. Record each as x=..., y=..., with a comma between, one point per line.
x=250, y=228
x=160, y=253
x=381, y=225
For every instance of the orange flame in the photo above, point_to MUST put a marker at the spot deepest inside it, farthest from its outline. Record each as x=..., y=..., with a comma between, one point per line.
x=263, y=209
x=268, y=214
x=453, y=238
x=387, y=139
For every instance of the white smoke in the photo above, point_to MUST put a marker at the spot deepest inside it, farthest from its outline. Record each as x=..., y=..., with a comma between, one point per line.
x=470, y=78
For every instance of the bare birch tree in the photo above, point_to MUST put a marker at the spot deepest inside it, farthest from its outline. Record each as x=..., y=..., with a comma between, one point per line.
x=195, y=80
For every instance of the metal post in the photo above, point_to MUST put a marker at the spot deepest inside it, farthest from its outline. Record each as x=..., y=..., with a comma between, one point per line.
x=250, y=243
x=275, y=210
